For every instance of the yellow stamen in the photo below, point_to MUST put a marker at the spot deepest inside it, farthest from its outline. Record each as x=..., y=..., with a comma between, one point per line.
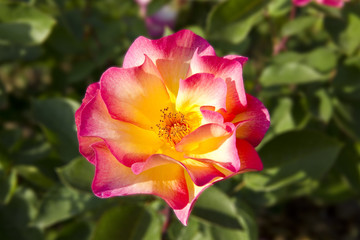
x=172, y=127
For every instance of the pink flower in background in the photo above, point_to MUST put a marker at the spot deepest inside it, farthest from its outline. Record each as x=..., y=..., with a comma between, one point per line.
x=331, y=3
x=156, y=23
x=171, y=122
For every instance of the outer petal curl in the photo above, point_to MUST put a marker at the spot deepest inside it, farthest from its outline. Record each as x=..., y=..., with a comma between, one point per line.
x=252, y=123
x=114, y=179
x=85, y=142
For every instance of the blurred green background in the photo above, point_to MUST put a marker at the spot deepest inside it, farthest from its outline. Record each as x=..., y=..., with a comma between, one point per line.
x=304, y=64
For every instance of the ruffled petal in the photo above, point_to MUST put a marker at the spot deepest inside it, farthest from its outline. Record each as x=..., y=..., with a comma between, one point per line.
x=114, y=179
x=127, y=142
x=200, y=173
x=201, y=90
x=210, y=116
x=213, y=143
x=135, y=95
x=241, y=59
x=85, y=142
x=250, y=161
x=194, y=193
x=171, y=55
x=252, y=123
x=230, y=71
x=249, y=158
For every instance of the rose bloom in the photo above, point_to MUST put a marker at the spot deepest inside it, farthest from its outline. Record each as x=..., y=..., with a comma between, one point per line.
x=331, y=3
x=171, y=122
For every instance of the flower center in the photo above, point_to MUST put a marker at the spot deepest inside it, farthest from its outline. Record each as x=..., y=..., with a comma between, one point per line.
x=172, y=127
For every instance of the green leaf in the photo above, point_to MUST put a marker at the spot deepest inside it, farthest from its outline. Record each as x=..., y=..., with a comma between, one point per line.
x=333, y=189
x=279, y=7
x=347, y=117
x=15, y=217
x=348, y=164
x=350, y=38
x=346, y=82
x=344, y=30
x=61, y=203
x=290, y=73
x=23, y=25
x=281, y=118
x=247, y=220
x=292, y=158
x=3, y=94
x=221, y=233
x=232, y=20
x=57, y=118
x=322, y=59
x=8, y=182
x=128, y=222
x=177, y=231
x=77, y=174
x=298, y=25
x=34, y=175
x=12, y=52
x=215, y=207
x=74, y=230
x=325, y=110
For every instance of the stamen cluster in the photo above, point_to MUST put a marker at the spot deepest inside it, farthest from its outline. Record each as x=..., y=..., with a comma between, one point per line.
x=172, y=127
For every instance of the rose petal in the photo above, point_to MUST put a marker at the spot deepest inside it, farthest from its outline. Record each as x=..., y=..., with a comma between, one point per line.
x=201, y=90
x=249, y=158
x=213, y=143
x=194, y=193
x=252, y=123
x=127, y=142
x=242, y=60
x=171, y=55
x=250, y=161
x=201, y=173
x=135, y=95
x=228, y=70
x=85, y=142
x=114, y=179
x=210, y=116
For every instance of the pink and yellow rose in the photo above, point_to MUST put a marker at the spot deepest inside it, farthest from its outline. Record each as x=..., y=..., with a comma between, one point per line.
x=172, y=121
x=331, y=3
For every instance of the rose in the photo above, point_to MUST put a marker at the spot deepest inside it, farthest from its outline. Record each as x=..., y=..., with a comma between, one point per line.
x=173, y=121
x=331, y=3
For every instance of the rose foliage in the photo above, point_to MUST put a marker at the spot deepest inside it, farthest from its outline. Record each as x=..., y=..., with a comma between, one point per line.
x=171, y=122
